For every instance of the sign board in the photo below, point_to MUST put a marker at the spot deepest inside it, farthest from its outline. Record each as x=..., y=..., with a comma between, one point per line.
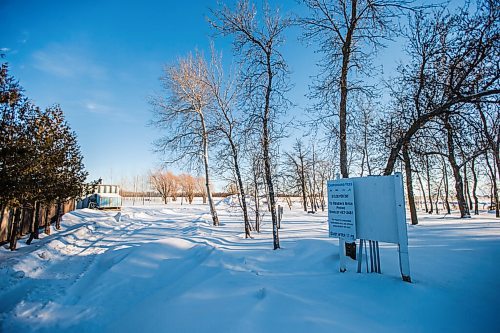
x=341, y=212
x=370, y=208
x=378, y=208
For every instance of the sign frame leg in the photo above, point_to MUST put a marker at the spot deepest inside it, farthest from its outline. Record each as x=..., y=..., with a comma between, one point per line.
x=360, y=255
x=404, y=259
x=404, y=262
x=343, y=258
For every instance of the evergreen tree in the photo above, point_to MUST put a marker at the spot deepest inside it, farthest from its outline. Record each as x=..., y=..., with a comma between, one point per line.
x=40, y=160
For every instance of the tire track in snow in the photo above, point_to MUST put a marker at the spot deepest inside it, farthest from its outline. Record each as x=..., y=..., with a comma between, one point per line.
x=66, y=255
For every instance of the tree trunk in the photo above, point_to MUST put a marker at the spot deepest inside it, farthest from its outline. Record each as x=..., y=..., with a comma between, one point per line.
x=311, y=196
x=362, y=162
x=314, y=187
x=322, y=194
x=474, y=186
x=266, y=193
x=2, y=213
x=269, y=181
x=267, y=158
x=467, y=190
x=215, y=218
x=437, y=197
x=36, y=224
x=428, y=183
x=242, y=190
x=497, y=168
x=47, y=220
x=366, y=153
x=37, y=227
x=494, y=187
x=58, y=215
x=346, y=55
x=459, y=186
x=256, y=198
x=446, y=188
x=10, y=221
x=303, y=183
x=423, y=191
x=15, y=229
x=409, y=185
x=494, y=145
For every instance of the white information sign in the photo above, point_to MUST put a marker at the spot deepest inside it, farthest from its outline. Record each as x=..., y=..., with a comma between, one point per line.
x=369, y=208
x=341, y=212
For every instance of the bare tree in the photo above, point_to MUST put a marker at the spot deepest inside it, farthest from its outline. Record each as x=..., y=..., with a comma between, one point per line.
x=182, y=113
x=264, y=70
x=297, y=160
x=164, y=182
x=200, y=188
x=454, y=62
x=325, y=171
x=348, y=33
x=489, y=115
x=455, y=167
x=227, y=123
x=364, y=135
x=188, y=186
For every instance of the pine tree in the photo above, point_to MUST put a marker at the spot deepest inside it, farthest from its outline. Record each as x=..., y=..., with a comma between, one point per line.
x=40, y=160
x=16, y=148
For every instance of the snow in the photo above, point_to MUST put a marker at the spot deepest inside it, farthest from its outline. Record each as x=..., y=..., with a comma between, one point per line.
x=166, y=268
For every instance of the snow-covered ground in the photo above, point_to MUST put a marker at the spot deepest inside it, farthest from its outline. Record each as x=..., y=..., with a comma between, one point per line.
x=166, y=269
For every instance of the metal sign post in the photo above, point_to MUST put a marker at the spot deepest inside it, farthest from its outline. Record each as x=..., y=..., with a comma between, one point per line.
x=404, y=258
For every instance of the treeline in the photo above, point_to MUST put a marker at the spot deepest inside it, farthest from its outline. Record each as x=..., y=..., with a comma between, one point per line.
x=40, y=161
x=436, y=119
x=171, y=186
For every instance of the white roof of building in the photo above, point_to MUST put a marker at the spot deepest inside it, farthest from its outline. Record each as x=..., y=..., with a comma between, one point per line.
x=109, y=195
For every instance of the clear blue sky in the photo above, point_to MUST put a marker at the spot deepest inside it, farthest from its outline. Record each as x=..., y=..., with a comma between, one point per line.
x=100, y=60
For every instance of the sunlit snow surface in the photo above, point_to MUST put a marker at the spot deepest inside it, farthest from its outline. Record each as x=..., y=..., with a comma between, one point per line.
x=165, y=268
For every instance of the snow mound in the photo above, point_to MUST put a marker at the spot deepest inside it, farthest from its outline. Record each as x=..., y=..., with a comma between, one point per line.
x=230, y=200
x=232, y=203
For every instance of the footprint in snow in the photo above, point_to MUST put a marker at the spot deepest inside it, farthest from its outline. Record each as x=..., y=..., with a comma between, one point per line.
x=43, y=255
x=261, y=294
x=18, y=274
